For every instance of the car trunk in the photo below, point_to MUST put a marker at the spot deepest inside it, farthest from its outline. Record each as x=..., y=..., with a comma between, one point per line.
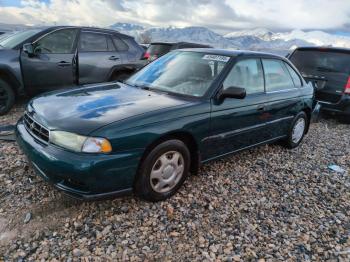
x=329, y=69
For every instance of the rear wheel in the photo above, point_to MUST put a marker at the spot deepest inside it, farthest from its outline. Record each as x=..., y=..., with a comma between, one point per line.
x=297, y=130
x=163, y=171
x=7, y=97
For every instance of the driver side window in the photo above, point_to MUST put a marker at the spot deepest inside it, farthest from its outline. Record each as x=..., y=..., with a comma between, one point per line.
x=247, y=74
x=58, y=42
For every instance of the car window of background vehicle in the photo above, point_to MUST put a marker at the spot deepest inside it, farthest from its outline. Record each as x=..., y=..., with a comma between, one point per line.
x=315, y=61
x=276, y=75
x=58, y=42
x=95, y=42
x=120, y=45
x=247, y=74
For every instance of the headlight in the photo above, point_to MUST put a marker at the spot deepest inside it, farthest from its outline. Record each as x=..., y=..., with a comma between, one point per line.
x=80, y=143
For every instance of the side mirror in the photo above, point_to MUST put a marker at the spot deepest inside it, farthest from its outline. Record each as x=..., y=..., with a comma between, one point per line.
x=29, y=49
x=233, y=92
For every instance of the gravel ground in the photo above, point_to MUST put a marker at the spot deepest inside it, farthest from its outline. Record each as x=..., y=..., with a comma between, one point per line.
x=263, y=204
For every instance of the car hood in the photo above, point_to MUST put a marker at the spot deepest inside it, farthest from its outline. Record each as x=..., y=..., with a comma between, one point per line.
x=8, y=54
x=86, y=109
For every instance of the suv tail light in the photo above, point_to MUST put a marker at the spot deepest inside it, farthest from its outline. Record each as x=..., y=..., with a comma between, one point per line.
x=146, y=56
x=347, y=87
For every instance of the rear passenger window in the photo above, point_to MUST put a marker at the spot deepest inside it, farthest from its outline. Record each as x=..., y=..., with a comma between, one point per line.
x=110, y=44
x=247, y=74
x=93, y=42
x=294, y=75
x=120, y=44
x=277, y=76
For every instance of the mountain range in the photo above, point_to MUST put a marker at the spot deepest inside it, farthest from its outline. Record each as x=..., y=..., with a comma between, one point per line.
x=255, y=39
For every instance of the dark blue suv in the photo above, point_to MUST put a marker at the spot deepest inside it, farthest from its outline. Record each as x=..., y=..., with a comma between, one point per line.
x=39, y=60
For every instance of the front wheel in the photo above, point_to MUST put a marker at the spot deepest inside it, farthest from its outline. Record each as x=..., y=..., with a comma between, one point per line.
x=7, y=97
x=163, y=171
x=297, y=130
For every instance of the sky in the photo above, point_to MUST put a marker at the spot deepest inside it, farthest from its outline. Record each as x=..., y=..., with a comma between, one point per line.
x=219, y=15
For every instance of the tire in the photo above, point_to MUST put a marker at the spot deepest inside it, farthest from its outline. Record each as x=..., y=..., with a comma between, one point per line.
x=7, y=97
x=162, y=162
x=295, y=137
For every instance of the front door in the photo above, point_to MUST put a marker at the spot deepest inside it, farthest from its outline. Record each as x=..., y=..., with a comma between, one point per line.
x=97, y=57
x=239, y=123
x=53, y=65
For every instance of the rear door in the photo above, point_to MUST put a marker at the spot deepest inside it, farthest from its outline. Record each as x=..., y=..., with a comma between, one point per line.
x=283, y=87
x=54, y=65
x=331, y=66
x=97, y=57
x=239, y=123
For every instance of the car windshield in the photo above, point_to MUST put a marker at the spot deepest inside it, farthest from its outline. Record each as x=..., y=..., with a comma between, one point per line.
x=15, y=39
x=181, y=72
x=312, y=61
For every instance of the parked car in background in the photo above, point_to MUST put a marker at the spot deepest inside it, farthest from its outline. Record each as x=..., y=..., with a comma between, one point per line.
x=146, y=135
x=37, y=60
x=329, y=69
x=158, y=49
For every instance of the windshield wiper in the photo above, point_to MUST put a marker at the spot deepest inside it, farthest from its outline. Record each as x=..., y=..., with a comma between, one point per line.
x=141, y=86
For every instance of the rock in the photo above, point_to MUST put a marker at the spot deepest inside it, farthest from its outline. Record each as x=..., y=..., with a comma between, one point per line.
x=76, y=252
x=27, y=218
x=170, y=211
x=106, y=230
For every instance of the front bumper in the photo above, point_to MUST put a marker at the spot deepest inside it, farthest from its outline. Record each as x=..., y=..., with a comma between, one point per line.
x=341, y=107
x=83, y=176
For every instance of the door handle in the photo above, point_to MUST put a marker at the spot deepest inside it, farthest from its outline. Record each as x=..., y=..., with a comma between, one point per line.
x=64, y=63
x=261, y=108
x=113, y=58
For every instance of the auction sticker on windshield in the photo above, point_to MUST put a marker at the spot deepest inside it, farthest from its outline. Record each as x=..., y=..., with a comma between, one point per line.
x=219, y=58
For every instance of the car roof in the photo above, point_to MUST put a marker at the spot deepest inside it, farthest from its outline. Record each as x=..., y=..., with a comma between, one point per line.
x=323, y=48
x=97, y=29
x=231, y=53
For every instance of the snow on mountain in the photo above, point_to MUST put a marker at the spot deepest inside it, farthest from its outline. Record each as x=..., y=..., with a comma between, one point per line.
x=126, y=27
x=190, y=34
x=261, y=33
x=295, y=37
x=318, y=38
x=129, y=29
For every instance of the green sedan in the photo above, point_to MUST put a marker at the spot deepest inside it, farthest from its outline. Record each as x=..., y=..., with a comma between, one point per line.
x=146, y=135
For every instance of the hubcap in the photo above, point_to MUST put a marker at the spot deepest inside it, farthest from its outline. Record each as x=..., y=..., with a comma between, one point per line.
x=298, y=130
x=167, y=171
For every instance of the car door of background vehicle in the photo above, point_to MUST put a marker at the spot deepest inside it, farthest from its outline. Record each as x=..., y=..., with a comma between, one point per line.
x=239, y=123
x=97, y=56
x=283, y=86
x=54, y=65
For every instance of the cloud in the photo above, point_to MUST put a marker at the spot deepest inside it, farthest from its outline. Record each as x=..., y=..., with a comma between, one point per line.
x=215, y=14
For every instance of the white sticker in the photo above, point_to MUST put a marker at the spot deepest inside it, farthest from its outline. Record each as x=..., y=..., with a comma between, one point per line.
x=219, y=58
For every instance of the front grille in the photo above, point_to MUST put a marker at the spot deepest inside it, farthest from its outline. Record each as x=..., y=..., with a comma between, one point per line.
x=35, y=129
